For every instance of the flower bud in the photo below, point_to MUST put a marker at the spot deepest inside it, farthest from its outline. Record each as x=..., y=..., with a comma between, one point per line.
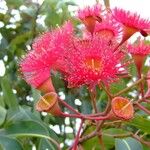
x=121, y=108
x=127, y=33
x=139, y=61
x=49, y=103
x=46, y=86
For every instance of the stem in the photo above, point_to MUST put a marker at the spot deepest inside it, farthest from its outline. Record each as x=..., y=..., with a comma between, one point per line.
x=107, y=3
x=142, y=108
x=141, y=84
x=118, y=135
x=71, y=115
x=68, y=106
x=95, y=133
x=101, y=142
x=77, y=136
x=112, y=123
x=100, y=124
x=141, y=140
x=93, y=98
x=34, y=24
x=106, y=90
x=87, y=137
x=81, y=116
x=97, y=114
x=146, y=101
x=97, y=1
x=128, y=88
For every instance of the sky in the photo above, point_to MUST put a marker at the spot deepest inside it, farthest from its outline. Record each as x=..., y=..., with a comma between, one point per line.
x=140, y=6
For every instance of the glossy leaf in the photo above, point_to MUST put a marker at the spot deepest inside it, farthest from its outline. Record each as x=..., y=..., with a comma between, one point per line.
x=3, y=113
x=2, y=103
x=9, y=97
x=45, y=144
x=127, y=144
x=108, y=141
x=8, y=143
x=140, y=123
x=114, y=131
x=29, y=129
x=14, y=4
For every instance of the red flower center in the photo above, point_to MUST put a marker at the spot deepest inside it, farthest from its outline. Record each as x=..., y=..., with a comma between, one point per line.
x=106, y=33
x=94, y=64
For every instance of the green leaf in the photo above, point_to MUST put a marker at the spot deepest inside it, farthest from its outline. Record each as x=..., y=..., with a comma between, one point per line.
x=29, y=129
x=36, y=96
x=9, y=97
x=23, y=128
x=108, y=141
x=114, y=131
x=127, y=144
x=86, y=107
x=140, y=123
x=145, y=147
x=118, y=86
x=20, y=39
x=132, y=69
x=14, y=4
x=2, y=103
x=45, y=144
x=25, y=114
x=1, y=147
x=71, y=3
x=3, y=43
x=22, y=114
x=7, y=143
x=3, y=113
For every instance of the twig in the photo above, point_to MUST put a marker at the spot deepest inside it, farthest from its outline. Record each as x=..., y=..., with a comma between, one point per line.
x=118, y=135
x=89, y=136
x=106, y=90
x=97, y=1
x=130, y=87
x=141, y=85
x=107, y=3
x=34, y=20
x=77, y=136
x=93, y=99
x=81, y=116
x=142, y=108
x=68, y=106
x=141, y=140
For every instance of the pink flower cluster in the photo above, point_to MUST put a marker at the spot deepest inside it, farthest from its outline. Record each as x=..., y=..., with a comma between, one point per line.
x=88, y=60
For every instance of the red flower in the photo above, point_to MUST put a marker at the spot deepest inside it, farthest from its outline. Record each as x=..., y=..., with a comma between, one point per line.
x=47, y=50
x=130, y=19
x=109, y=28
x=139, y=51
x=139, y=48
x=132, y=22
x=42, y=43
x=92, y=61
x=90, y=15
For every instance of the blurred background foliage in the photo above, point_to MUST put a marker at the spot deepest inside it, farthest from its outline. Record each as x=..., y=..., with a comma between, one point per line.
x=23, y=128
